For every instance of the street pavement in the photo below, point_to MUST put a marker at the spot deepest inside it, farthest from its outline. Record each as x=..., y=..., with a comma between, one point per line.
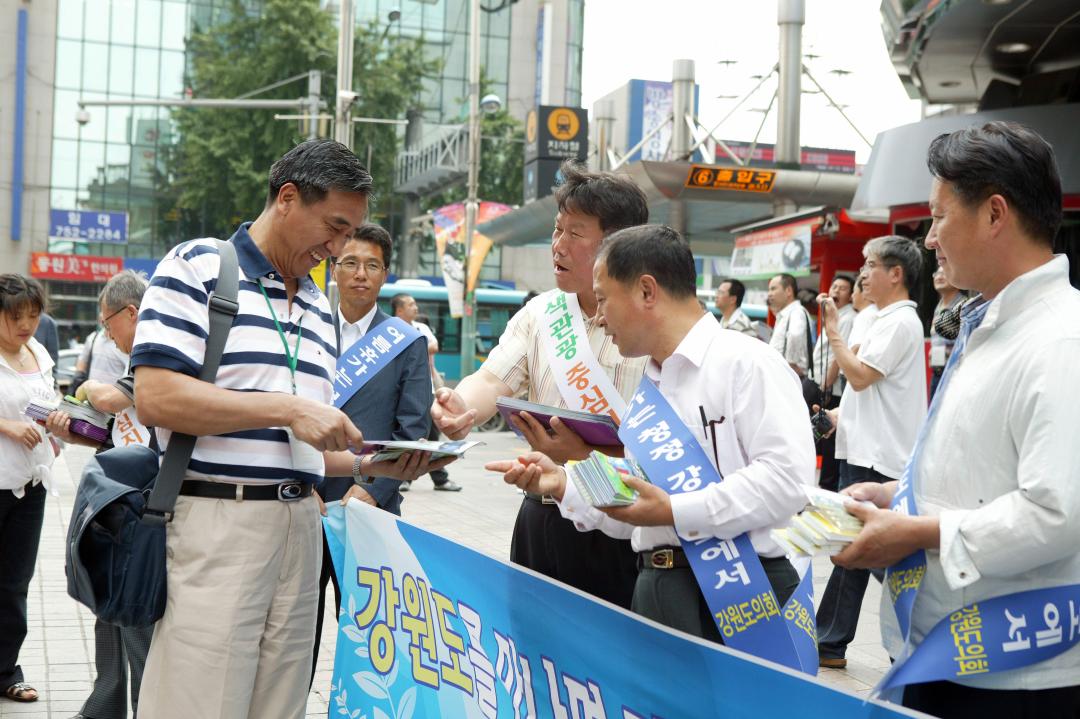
x=57, y=657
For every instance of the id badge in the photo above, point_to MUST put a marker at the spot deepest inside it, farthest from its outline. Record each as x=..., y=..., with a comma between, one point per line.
x=305, y=458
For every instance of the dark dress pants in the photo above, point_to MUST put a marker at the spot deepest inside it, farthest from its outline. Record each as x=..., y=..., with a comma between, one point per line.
x=838, y=613
x=956, y=701
x=439, y=476
x=590, y=561
x=20, y=532
x=326, y=575
x=116, y=649
x=673, y=598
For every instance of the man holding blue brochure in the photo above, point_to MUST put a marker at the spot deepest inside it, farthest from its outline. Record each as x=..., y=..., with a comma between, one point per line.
x=987, y=517
x=719, y=426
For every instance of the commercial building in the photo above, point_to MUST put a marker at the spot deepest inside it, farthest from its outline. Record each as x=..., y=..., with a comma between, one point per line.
x=81, y=194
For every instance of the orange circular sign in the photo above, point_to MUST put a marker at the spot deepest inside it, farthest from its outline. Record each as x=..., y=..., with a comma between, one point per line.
x=563, y=123
x=530, y=126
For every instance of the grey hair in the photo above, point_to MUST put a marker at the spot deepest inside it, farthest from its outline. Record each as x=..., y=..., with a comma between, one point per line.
x=897, y=251
x=123, y=289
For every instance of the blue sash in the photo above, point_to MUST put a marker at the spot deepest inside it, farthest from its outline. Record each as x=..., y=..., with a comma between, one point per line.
x=369, y=355
x=728, y=571
x=994, y=635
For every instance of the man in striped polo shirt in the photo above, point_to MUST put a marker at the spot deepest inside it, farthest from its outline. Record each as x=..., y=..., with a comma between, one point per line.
x=245, y=540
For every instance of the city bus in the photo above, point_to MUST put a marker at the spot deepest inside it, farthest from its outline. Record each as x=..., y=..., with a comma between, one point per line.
x=494, y=308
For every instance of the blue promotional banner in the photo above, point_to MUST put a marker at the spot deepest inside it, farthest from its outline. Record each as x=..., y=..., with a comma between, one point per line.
x=429, y=628
x=88, y=226
x=369, y=355
x=728, y=571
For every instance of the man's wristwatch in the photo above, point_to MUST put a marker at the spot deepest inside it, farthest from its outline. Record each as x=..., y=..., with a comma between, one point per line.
x=357, y=477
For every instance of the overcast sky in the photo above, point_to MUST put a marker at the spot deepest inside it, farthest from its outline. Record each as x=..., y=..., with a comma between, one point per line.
x=628, y=39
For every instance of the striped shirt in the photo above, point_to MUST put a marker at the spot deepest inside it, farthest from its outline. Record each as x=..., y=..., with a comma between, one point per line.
x=172, y=331
x=520, y=358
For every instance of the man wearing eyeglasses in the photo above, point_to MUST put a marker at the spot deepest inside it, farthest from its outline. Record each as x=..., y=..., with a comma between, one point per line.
x=404, y=307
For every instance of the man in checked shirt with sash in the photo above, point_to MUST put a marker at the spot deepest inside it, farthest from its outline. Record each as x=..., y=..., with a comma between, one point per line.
x=556, y=349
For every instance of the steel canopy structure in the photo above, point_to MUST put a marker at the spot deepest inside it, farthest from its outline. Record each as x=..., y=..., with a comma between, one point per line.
x=699, y=213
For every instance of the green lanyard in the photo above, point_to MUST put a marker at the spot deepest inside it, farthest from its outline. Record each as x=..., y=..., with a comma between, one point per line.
x=291, y=359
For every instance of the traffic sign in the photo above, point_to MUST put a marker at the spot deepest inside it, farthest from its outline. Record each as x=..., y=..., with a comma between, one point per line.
x=88, y=226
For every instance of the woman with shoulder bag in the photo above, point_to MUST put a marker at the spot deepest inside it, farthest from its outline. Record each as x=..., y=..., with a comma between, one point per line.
x=26, y=455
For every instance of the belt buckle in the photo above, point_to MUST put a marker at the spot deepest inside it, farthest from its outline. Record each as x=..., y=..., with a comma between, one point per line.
x=290, y=491
x=662, y=559
x=547, y=499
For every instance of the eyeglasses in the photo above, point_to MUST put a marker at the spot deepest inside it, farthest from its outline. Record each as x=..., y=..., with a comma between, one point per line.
x=872, y=264
x=105, y=320
x=370, y=268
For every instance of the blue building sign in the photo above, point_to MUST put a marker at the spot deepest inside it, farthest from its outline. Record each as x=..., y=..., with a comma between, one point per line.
x=88, y=226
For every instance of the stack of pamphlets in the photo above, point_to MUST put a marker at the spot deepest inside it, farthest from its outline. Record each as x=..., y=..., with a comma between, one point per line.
x=824, y=527
x=390, y=450
x=599, y=430
x=599, y=479
x=85, y=420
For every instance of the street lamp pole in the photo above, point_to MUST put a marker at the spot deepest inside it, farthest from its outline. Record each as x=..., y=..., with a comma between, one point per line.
x=468, y=321
x=343, y=131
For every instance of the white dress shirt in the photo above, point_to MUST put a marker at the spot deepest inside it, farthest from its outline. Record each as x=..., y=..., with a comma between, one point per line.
x=765, y=449
x=879, y=423
x=351, y=332
x=999, y=469
x=790, y=334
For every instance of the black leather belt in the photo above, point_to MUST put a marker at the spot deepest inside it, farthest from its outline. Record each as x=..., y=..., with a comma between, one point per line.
x=284, y=492
x=663, y=558
x=541, y=498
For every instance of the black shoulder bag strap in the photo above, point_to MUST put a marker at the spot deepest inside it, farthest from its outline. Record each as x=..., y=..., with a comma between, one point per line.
x=223, y=308
x=809, y=343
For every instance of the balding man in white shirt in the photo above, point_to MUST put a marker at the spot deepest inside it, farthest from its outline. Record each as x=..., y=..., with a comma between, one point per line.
x=743, y=405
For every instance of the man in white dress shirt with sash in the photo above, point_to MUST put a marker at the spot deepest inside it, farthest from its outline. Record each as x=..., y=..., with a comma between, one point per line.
x=982, y=547
x=556, y=348
x=741, y=403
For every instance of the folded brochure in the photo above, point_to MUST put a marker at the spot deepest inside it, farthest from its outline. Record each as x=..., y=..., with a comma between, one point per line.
x=390, y=450
x=823, y=527
x=599, y=430
x=599, y=479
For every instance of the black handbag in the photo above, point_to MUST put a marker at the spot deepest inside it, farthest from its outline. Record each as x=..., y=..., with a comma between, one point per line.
x=115, y=554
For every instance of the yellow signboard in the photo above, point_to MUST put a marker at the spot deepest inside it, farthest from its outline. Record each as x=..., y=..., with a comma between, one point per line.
x=706, y=177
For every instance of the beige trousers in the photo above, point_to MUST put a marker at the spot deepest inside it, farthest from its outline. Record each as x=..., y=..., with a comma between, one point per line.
x=239, y=626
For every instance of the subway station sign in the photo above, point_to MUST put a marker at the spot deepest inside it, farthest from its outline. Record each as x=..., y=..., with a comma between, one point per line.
x=556, y=133
x=88, y=226
x=708, y=177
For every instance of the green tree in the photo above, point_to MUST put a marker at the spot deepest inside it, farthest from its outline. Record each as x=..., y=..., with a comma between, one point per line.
x=217, y=169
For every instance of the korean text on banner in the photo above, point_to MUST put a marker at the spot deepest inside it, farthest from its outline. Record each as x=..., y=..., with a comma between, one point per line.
x=429, y=628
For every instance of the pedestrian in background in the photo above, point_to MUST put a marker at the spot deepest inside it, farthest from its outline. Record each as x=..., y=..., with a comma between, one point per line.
x=940, y=347
x=404, y=307
x=26, y=455
x=880, y=412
